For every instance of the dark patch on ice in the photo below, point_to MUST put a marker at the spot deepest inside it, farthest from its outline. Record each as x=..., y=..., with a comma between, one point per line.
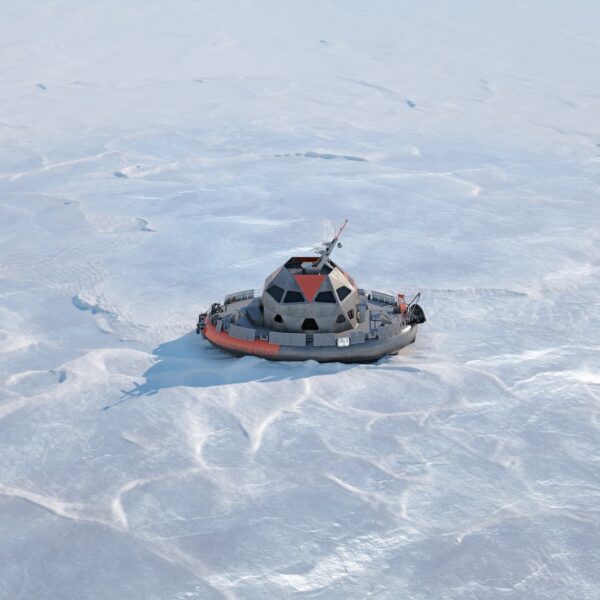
x=41, y=86
x=94, y=308
x=568, y=103
x=411, y=103
x=61, y=375
x=143, y=225
x=243, y=430
x=404, y=369
x=199, y=80
x=324, y=155
x=328, y=156
x=324, y=43
x=119, y=174
x=373, y=86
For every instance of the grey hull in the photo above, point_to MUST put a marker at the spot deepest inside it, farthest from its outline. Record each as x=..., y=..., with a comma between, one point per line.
x=369, y=351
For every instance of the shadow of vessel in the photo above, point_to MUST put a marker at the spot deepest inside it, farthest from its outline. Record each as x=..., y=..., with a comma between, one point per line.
x=184, y=362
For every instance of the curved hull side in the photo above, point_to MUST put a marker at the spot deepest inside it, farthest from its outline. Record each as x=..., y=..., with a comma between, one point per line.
x=368, y=351
x=222, y=340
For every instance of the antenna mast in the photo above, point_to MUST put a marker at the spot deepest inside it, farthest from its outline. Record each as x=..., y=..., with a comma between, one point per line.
x=328, y=247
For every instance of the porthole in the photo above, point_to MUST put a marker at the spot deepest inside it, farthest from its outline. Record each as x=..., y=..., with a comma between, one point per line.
x=340, y=319
x=278, y=319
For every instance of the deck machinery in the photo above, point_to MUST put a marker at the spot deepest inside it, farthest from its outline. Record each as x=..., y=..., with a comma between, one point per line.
x=311, y=309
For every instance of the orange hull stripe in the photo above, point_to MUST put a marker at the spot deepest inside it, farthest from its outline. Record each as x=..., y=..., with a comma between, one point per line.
x=223, y=339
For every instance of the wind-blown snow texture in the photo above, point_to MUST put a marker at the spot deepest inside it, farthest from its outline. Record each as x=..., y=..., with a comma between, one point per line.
x=155, y=156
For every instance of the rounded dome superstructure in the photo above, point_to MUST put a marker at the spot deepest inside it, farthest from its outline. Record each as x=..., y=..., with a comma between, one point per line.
x=301, y=298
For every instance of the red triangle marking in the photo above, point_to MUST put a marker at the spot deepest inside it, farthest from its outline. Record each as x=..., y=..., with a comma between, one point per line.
x=309, y=284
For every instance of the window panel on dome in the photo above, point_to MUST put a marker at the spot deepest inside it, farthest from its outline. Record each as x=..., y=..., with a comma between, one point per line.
x=343, y=292
x=325, y=297
x=292, y=296
x=275, y=292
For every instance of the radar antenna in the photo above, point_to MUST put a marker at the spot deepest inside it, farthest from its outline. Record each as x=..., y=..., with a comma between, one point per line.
x=327, y=248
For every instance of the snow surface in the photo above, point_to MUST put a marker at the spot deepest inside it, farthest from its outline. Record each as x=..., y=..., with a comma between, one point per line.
x=155, y=156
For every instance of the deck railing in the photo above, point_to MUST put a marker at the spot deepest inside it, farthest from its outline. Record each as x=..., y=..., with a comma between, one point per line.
x=375, y=296
x=382, y=332
x=238, y=297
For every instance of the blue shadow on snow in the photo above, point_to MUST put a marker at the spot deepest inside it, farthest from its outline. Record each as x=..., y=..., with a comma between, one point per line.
x=190, y=361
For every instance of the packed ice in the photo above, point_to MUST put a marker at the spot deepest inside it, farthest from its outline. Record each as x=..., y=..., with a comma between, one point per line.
x=156, y=156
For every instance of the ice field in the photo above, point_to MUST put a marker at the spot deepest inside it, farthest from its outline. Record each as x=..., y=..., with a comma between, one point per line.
x=156, y=156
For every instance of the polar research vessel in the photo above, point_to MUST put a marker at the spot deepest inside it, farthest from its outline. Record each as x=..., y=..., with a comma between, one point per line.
x=311, y=309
